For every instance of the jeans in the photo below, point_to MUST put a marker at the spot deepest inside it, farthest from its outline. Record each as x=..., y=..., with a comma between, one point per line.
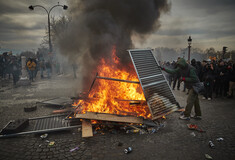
x=48, y=72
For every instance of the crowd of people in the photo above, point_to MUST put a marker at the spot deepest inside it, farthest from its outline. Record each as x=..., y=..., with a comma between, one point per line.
x=34, y=65
x=218, y=77
x=10, y=67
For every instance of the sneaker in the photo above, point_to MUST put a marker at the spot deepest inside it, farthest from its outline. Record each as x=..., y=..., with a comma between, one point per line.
x=209, y=99
x=184, y=117
x=196, y=117
x=203, y=97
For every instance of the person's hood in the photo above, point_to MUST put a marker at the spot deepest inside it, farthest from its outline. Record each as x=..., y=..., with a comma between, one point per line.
x=182, y=63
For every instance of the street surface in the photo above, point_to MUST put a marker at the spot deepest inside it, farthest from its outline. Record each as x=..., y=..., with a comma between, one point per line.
x=171, y=142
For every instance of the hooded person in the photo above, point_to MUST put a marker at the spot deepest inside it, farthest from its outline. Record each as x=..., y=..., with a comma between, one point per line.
x=190, y=78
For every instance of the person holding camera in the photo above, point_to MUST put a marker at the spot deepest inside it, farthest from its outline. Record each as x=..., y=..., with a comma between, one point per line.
x=208, y=79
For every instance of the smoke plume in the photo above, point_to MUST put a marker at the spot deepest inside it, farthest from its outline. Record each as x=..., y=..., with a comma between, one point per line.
x=99, y=25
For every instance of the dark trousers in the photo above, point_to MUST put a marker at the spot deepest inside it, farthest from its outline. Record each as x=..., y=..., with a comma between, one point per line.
x=220, y=87
x=170, y=77
x=15, y=75
x=31, y=75
x=208, y=88
x=192, y=101
x=176, y=79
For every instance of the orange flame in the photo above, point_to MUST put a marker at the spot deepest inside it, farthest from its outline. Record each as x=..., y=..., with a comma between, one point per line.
x=109, y=96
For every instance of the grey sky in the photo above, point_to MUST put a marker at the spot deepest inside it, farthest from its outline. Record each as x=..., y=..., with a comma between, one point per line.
x=209, y=22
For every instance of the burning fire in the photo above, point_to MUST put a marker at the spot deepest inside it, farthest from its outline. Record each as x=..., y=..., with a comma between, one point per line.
x=112, y=97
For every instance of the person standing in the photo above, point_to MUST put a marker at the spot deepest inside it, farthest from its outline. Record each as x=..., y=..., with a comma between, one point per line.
x=75, y=67
x=231, y=80
x=48, y=68
x=31, y=68
x=208, y=79
x=41, y=66
x=15, y=70
x=220, y=79
x=190, y=78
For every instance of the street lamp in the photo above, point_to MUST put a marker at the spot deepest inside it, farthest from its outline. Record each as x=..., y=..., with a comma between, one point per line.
x=189, y=47
x=48, y=14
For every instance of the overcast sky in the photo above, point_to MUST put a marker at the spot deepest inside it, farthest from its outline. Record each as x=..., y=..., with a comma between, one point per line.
x=211, y=23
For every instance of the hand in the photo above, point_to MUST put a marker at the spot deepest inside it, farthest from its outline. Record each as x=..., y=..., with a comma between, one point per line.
x=212, y=67
x=162, y=68
x=182, y=79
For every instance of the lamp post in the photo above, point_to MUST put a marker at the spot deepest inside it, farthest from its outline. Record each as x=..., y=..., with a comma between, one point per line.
x=48, y=15
x=189, y=47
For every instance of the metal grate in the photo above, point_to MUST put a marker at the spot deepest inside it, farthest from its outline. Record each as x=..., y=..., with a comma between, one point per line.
x=158, y=94
x=51, y=122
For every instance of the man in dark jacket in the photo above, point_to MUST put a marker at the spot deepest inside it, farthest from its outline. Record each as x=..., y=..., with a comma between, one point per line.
x=208, y=79
x=231, y=80
x=189, y=76
x=15, y=69
x=221, y=79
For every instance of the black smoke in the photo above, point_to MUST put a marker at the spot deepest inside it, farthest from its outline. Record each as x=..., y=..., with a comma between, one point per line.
x=99, y=25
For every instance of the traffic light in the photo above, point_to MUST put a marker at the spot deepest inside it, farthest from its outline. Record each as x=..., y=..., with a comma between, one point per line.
x=224, y=51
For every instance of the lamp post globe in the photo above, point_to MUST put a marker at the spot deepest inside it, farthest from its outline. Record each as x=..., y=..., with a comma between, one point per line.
x=31, y=7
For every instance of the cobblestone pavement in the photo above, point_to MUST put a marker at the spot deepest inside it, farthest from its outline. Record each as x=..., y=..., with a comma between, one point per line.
x=172, y=142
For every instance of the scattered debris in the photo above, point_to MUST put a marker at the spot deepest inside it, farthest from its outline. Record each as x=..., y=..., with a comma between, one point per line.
x=74, y=149
x=128, y=150
x=211, y=144
x=59, y=111
x=47, y=141
x=120, y=144
x=51, y=143
x=136, y=129
x=40, y=145
x=30, y=108
x=152, y=130
x=208, y=156
x=44, y=136
x=220, y=139
x=194, y=127
x=180, y=110
x=193, y=134
x=15, y=126
x=132, y=131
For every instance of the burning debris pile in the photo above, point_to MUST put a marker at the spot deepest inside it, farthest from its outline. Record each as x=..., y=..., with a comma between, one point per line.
x=117, y=96
x=121, y=98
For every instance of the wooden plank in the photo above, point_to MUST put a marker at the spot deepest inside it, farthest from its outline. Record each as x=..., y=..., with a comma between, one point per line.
x=109, y=117
x=87, y=128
